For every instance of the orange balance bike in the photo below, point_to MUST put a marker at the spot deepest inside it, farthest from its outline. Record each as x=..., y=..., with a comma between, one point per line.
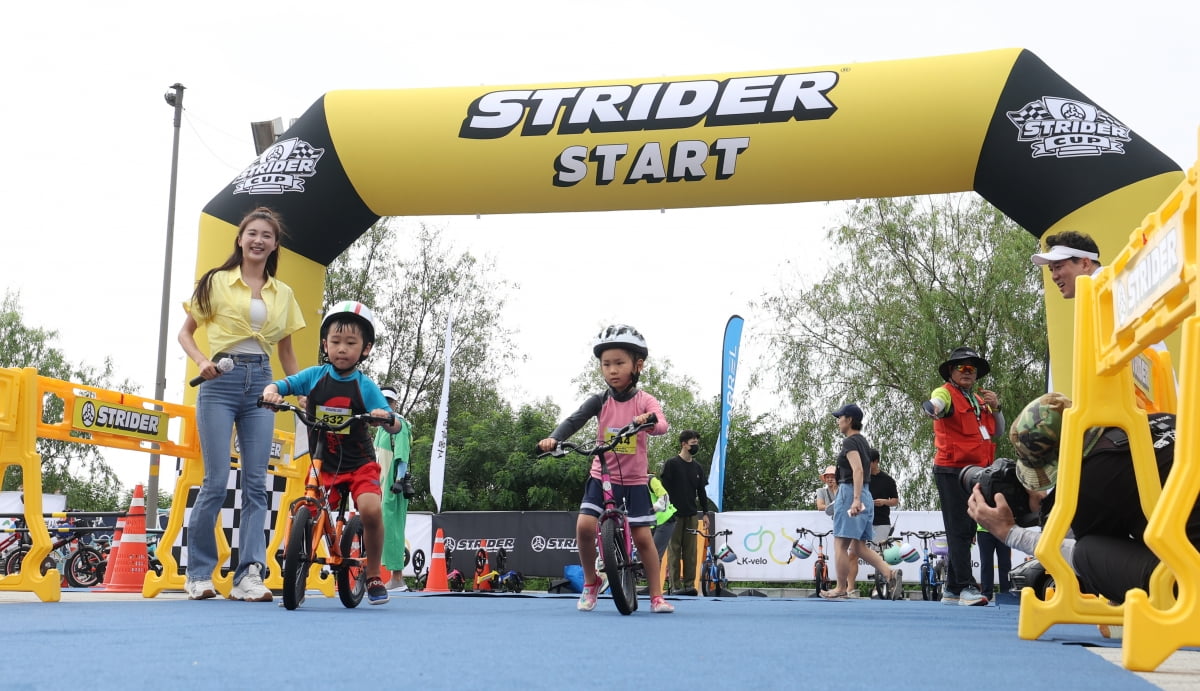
x=311, y=522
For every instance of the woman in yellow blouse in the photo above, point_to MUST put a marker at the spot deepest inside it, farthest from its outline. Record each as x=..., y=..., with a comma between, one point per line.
x=245, y=311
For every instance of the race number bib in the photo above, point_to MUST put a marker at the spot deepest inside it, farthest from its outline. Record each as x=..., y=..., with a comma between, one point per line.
x=627, y=447
x=334, y=417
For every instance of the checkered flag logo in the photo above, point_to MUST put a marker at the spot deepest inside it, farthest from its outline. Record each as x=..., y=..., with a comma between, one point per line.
x=1031, y=111
x=284, y=167
x=1068, y=128
x=305, y=150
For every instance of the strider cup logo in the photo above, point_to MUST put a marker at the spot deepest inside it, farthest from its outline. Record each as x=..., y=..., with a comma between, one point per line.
x=281, y=168
x=1067, y=128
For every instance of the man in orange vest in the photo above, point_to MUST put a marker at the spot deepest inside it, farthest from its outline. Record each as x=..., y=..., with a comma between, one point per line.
x=965, y=425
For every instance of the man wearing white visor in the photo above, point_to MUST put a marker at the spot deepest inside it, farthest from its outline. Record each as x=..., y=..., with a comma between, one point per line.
x=1070, y=254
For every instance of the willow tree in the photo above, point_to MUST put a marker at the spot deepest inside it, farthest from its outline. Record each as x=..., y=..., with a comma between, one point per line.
x=910, y=280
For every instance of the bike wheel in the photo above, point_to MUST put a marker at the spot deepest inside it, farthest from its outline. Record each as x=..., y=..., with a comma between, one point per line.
x=721, y=580
x=621, y=575
x=706, y=579
x=85, y=568
x=926, y=583
x=418, y=561
x=939, y=580
x=352, y=579
x=13, y=565
x=820, y=576
x=297, y=558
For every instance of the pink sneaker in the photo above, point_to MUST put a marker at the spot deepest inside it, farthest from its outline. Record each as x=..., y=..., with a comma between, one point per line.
x=659, y=605
x=587, y=600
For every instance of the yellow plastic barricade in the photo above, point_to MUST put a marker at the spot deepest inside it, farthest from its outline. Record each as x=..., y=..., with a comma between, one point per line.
x=1148, y=292
x=89, y=416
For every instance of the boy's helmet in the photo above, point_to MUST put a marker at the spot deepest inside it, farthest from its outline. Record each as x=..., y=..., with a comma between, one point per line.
x=909, y=553
x=620, y=336
x=356, y=311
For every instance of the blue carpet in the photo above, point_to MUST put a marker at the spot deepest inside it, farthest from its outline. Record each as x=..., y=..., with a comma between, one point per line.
x=461, y=641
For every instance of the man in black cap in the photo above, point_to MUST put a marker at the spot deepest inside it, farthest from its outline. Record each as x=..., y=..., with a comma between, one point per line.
x=965, y=425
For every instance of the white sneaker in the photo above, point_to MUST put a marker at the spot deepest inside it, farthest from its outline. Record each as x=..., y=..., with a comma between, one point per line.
x=251, y=588
x=199, y=589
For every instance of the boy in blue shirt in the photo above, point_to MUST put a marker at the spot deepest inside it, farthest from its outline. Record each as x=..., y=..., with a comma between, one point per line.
x=338, y=388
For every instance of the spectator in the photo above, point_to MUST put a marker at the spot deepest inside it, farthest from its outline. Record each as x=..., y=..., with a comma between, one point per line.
x=854, y=510
x=965, y=423
x=685, y=480
x=994, y=556
x=827, y=493
x=392, y=453
x=885, y=496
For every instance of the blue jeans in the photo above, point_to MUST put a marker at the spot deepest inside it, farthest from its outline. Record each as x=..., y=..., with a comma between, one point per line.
x=225, y=402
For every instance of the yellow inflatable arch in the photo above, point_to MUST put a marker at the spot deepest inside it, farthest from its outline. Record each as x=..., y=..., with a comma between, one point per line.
x=999, y=122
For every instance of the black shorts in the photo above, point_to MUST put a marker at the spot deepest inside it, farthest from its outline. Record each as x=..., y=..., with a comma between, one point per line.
x=637, y=501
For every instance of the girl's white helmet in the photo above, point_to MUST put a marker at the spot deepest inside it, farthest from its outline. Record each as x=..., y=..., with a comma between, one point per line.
x=620, y=336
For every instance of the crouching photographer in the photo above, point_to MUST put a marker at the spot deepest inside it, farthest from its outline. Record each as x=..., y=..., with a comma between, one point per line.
x=1107, y=553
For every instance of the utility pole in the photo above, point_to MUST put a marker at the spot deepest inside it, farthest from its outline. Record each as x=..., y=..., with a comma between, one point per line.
x=174, y=98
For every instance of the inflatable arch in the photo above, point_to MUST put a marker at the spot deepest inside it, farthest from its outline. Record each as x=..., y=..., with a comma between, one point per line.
x=998, y=122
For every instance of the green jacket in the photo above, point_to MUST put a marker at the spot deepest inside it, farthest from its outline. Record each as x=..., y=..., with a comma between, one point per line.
x=657, y=490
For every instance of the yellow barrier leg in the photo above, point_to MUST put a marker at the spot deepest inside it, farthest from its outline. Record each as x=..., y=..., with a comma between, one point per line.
x=1152, y=634
x=1093, y=406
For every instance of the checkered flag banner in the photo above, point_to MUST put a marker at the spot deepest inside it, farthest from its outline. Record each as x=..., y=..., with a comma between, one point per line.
x=231, y=510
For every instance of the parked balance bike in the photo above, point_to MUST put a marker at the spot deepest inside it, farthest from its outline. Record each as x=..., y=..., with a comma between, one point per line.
x=803, y=550
x=933, y=562
x=712, y=575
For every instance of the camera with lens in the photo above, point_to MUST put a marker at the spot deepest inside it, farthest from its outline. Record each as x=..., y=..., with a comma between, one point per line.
x=1000, y=478
x=404, y=486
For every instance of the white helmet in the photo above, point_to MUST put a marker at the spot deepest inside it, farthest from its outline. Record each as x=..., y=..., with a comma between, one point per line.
x=620, y=336
x=355, y=310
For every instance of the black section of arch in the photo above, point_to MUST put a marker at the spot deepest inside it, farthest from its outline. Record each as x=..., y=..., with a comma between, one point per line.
x=323, y=219
x=1036, y=192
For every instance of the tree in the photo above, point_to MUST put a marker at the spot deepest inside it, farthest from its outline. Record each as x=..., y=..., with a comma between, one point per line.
x=75, y=469
x=413, y=283
x=913, y=279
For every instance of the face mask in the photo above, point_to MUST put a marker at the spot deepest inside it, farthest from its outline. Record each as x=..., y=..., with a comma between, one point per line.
x=694, y=448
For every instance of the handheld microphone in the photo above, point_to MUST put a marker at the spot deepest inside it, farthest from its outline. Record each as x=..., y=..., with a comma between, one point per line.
x=224, y=365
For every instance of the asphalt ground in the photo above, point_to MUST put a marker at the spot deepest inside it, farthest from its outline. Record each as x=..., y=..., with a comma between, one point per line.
x=538, y=641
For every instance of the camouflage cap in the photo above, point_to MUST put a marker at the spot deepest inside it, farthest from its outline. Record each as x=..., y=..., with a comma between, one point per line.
x=1034, y=435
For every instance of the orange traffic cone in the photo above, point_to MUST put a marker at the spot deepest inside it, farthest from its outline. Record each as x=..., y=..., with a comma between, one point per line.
x=130, y=567
x=114, y=553
x=437, y=566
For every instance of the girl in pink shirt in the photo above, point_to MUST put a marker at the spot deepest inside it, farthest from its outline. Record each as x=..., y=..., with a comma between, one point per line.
x=622, y=353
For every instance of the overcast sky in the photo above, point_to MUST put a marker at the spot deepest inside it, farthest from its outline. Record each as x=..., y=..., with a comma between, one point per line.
x=88, y=144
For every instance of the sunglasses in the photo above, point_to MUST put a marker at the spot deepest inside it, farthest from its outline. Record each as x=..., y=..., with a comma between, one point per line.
x=965, y=369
